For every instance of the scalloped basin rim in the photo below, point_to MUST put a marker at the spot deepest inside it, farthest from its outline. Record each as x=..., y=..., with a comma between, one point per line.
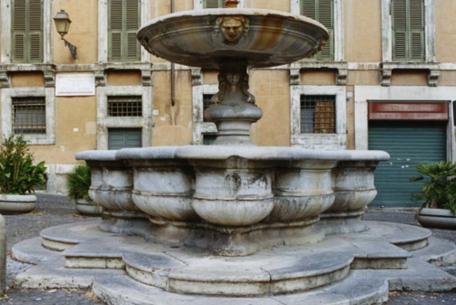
x=195, y=38
x=207, y=152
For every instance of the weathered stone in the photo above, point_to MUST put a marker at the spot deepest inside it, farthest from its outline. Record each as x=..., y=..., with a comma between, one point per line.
x=2, y=256
x=10, y=204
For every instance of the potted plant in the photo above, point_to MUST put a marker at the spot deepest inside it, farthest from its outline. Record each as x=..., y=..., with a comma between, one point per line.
x=18, y=176
x=78, y=182
x=439, y=193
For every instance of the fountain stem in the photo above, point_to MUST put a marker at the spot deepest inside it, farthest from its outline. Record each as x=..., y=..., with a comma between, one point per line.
x=233, y=108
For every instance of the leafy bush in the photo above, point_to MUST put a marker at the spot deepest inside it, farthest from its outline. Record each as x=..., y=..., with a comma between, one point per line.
x=18, y=174
x=439, y=188
x=79, y=182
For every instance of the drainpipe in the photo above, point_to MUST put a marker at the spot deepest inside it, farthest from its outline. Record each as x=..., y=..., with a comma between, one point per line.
x=173, y=79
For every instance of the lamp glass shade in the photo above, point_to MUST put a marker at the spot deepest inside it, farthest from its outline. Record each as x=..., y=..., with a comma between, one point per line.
x=62, y=22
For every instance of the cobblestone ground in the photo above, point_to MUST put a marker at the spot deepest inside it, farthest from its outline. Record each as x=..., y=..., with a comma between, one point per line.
x=54, y=210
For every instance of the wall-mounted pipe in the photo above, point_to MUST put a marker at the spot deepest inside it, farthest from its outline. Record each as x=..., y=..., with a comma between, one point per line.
x=173, y=76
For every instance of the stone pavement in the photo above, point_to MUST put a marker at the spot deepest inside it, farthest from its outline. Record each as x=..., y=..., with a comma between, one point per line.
x=54, y=210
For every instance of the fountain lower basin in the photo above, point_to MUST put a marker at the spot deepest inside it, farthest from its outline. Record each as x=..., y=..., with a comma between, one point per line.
x=232, y=200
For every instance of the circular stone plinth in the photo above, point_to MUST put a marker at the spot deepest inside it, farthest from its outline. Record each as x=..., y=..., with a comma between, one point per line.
x=280, y=270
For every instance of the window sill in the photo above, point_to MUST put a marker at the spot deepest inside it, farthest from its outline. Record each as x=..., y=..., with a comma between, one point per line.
x=320, y=141
x=39, y=139
x=433, y=69
x=341, y=69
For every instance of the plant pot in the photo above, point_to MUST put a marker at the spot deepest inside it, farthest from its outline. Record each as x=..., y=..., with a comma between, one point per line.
x=437, y=218
x=12, y=204
x=88, y=207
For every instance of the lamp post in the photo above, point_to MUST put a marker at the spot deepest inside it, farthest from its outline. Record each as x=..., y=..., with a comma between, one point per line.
x=62, y=23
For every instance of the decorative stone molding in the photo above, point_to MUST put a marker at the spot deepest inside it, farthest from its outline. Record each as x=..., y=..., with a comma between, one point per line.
x=199, y=126
x=100, y=78
x=341, y=69
x=387, y=34
x=4, y=80
x=319, y=141
x=146, y=76
x=341, y=77
x=196, y=77
x=49, y=78
x=104, y=121
x=388, y=67
x=6, y=104
x=295, y=76
x=364, y=94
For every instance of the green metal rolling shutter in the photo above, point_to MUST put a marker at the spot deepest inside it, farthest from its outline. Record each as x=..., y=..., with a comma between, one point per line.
x=124, y=137
x=408, y=143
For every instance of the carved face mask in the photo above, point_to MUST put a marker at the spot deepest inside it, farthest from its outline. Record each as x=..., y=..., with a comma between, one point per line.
x=232, y=29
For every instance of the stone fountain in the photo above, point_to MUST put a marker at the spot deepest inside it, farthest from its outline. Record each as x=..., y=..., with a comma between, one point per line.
x=232, y=222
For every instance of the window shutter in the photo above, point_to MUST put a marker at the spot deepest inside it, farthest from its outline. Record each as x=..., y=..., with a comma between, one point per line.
x=308, y=8
x=132, y=22
x=214, y=3
x=19, y=30
x=416, y=29
x=35, y=30
x=400, y=29
x=323, y=12
x=408, y=29
x=115, y=29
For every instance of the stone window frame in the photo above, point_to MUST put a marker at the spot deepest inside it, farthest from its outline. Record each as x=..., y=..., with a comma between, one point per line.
x=6, y=37
x=104, y=121
x=199, y=4
x=199, y=126
x=339, y=39
x=429, y=32
x=333, y=141
x=103, y=31
x=364, y=94
x=7, y=96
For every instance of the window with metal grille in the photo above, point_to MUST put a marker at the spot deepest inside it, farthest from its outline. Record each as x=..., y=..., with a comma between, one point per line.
x=214, y=3
x=29, y=115
x=124, y=106
x=318, y=114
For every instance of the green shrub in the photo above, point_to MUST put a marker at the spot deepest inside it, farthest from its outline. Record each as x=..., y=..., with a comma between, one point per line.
x=439, y=188
x=18, y=174
x=79, y=182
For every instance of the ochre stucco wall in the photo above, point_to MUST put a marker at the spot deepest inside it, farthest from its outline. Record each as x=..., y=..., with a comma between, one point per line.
x=73, y=132
x=124, y=78
x=173, y=125
x=445, y=31
x=83, y=32
x=272, y=91
x=27, y=79
x=281, y=5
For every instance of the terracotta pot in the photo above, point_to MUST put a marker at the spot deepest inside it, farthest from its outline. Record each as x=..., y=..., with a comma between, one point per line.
x=437, y=218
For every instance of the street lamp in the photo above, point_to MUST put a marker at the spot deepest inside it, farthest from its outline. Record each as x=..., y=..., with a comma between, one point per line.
x=62, y=23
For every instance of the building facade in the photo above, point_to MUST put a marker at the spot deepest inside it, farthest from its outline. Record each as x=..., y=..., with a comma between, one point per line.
x=385, y=80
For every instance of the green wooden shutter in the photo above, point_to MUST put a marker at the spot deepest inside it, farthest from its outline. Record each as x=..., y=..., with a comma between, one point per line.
x=132, y=25
x=27, y=31
x=35, y=30
x=408, y=29
x=417, y=29
x=119, y=138
x=19, y=30
x=124, y=16
x=214, y=3
x=323, y=12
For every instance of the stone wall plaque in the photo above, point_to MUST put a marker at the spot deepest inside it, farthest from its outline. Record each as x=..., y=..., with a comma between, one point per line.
x=75, y=84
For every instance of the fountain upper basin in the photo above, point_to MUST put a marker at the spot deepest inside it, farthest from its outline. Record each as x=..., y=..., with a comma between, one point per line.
x=207, y=38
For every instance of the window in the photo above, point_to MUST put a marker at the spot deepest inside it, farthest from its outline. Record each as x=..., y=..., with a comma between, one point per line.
x=124, y=138
x=124, y=106
x=214, y=3
x=27, y=31
x=124, y=16
x=408, y=30
x=322, y=11
x=318, y=114
x=29, y=115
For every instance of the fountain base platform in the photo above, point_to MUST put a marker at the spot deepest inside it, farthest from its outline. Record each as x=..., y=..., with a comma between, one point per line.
x=353, y=268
